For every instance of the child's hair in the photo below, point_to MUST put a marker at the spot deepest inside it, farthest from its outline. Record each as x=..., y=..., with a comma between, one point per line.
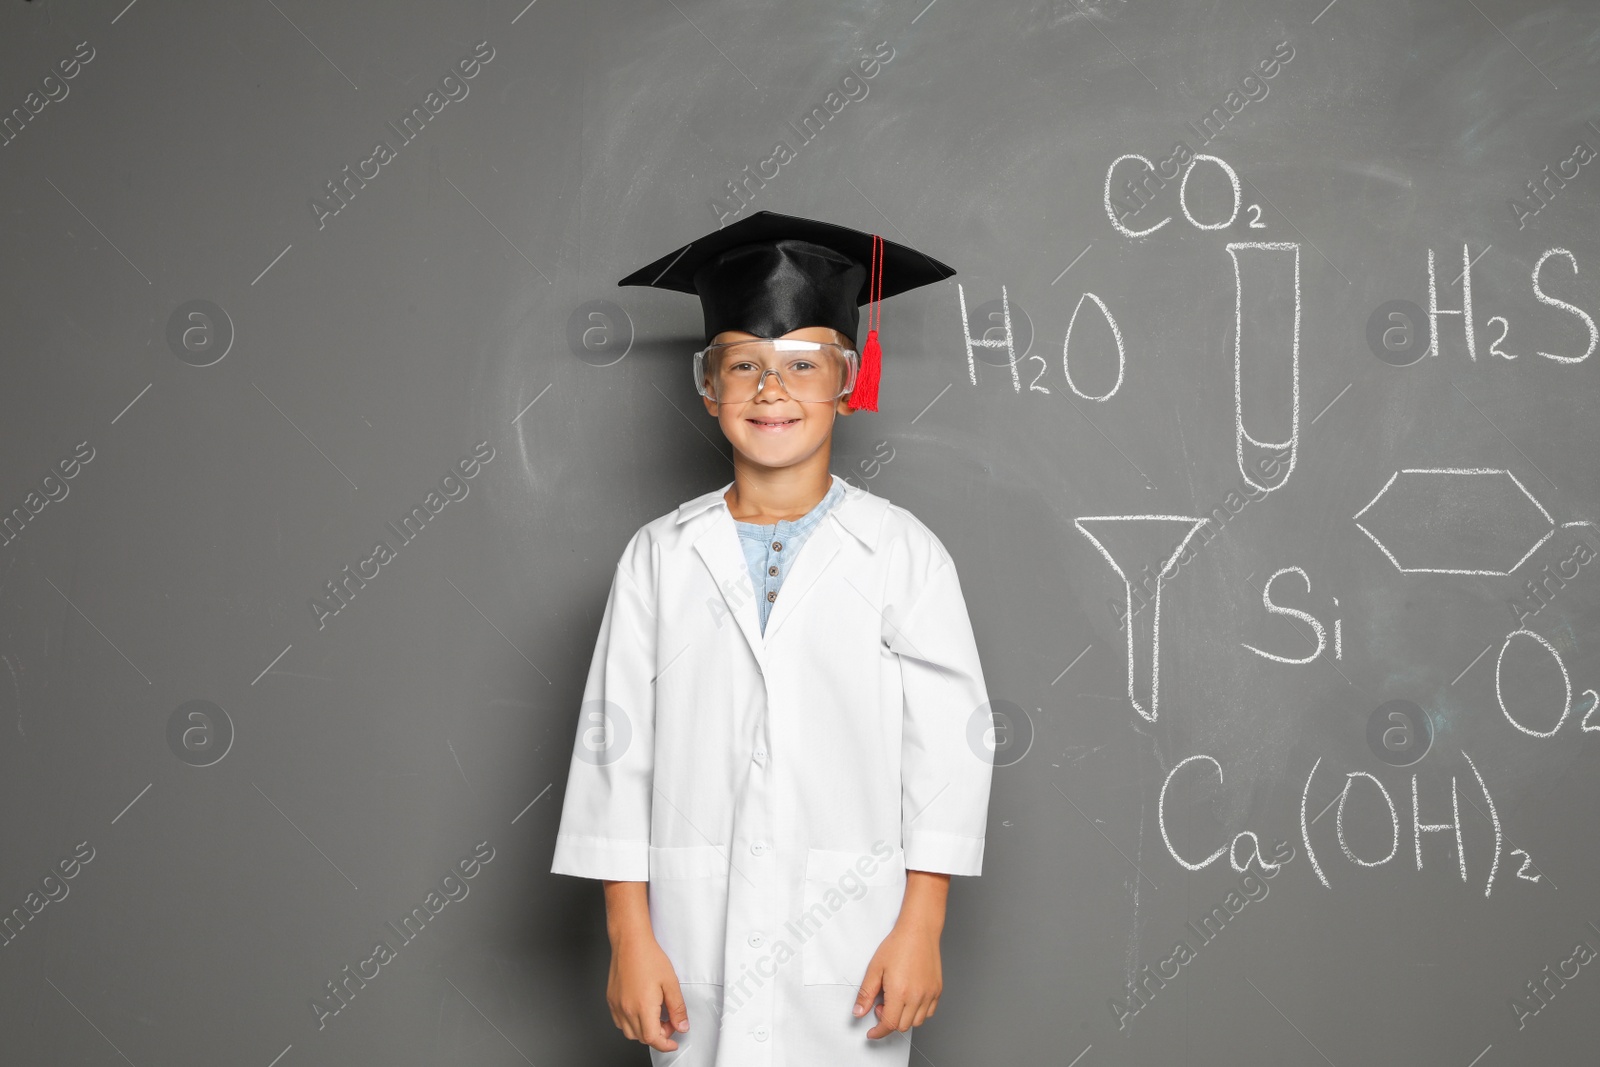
x=846, y=340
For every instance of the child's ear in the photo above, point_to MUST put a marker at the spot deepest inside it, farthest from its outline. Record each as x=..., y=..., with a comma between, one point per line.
x=843, y=407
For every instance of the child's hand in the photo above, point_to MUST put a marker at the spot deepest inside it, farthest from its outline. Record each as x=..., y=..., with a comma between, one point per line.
x=642, y=979
x=906, y=970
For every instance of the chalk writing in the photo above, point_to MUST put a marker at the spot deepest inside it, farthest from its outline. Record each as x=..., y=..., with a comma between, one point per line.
x=1006, y=340
x=1183, y=195
x=1003, y=335
x=1303, y=616
x=1591, y=699
x=1231, y=849
x=1240, y=434
x=1418, y=827
x=1394, y=311
x=1188, y=525
x=1460, y=488
x=1465, y=310
x=1066, y=349
x=1545, y=298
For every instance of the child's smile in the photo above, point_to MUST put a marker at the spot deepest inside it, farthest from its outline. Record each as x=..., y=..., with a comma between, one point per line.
x=778, y=431
x=771, y=424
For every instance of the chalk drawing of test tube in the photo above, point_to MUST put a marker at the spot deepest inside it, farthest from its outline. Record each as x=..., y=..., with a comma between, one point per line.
x=1264, y=348
x=1183, y=527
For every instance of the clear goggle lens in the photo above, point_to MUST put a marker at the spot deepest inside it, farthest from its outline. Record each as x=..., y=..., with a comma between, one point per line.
x=808, y=371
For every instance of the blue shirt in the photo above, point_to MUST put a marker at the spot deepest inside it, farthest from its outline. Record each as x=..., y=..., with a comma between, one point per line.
x=770, y=550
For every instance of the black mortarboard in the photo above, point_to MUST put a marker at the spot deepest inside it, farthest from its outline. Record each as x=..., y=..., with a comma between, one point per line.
x=769, y=274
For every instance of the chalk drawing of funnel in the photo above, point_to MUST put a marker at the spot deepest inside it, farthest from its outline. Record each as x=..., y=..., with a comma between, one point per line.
x=1170, y=527
x=1264, y=324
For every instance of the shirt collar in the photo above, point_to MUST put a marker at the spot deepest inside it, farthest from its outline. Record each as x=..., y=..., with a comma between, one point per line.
x=860, y=512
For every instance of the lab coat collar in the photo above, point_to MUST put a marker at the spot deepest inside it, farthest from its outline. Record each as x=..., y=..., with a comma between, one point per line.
x=860, y=512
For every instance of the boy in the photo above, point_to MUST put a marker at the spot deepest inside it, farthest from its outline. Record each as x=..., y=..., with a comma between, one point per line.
x=774, y=789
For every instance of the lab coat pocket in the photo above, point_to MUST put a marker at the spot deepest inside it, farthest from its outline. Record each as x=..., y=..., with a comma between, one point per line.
x=850, y=903
x=688, y=909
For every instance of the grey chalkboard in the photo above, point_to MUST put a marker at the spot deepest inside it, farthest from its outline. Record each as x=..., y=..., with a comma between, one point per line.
x=1258, y=420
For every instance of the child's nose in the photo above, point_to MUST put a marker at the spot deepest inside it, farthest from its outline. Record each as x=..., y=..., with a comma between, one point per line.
x=762, y=384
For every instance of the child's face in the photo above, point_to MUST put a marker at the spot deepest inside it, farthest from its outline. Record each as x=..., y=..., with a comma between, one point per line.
x=774, y=429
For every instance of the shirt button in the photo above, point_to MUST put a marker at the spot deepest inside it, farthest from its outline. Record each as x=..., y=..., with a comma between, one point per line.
x=756, y=940
x=777, y=546
x=772, y=570
x=761, y=1033
x=759, y=848
x=759, y=754
x=771, y=597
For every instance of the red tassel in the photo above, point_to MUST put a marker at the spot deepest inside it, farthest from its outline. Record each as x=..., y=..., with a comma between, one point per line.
x=864, y=397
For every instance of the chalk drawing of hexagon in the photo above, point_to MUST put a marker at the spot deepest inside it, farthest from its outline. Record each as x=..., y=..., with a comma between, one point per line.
x=1455, y=520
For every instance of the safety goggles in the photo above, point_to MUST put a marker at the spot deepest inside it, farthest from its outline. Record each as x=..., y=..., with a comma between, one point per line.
x=811, y=372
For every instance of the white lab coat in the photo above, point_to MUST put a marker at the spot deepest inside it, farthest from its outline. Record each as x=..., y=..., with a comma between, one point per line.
x=774, y=789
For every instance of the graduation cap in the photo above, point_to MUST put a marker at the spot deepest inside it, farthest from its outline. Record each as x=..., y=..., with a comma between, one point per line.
x=769, y=274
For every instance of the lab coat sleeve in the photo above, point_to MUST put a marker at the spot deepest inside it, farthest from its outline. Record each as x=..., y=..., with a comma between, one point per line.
x=946, y=765
x=605, y=816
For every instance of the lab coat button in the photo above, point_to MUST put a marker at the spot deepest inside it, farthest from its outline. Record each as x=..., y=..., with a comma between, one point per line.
x=760, y=1033
x=760, y=755
x=759, y=848
x=756, y=940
